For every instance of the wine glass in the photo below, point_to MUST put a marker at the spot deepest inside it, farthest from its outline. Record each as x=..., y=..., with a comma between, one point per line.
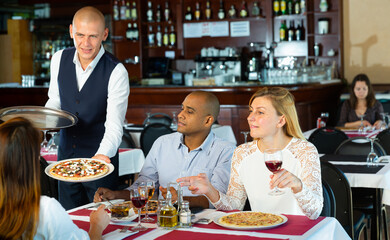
x=139, y=197
x=383, y=125
x=273, y=161
x=361, y=127
x=174, y=121
x=245, y=136
x=372, y=157
x=53, y=147
x=150, y=187
x=45, y=143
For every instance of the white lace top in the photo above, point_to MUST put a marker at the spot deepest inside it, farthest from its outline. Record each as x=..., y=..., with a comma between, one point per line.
x=250, y=178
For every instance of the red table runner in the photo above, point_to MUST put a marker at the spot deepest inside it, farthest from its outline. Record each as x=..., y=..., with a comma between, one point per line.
x=296, y=225
x=53, y=157
x=177, y=234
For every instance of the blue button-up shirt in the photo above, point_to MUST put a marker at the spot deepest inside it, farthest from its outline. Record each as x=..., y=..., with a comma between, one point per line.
x=169, y=160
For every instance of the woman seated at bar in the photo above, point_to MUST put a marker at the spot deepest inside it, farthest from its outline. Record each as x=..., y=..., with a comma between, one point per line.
x=361, y=102
x=24, y=213
x=273, y=123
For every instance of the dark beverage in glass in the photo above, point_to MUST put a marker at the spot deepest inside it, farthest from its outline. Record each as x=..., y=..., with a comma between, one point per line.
x=273, y=166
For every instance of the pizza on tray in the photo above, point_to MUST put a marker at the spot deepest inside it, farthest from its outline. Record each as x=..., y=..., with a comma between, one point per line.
x=250, y=219
x=79, y=169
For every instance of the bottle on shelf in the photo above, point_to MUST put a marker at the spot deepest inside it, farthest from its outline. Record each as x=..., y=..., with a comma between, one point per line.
x=255, y=10
x=135, y=32
x=129, y=32
x=172, y=37
x=303, y=6
x=221, y=10
x=188, y=15
x=301, y=31
x=149, y=12
x=122, y=10
x=150, y=36
x=290, y=10
x=115, y=11
x=232, y=11
x=134, y=15
x=128, y=10
x=167, y=12
x=297, y=7
x=323, y=6
x=316, y=49
x=243, y=11
x=276, y=7
x=158, y=13
x=166, y=37
x=207, y=11
x=298, y=33
x=283, y=31
x=159, y=36
x=283, y=7
x=197, y=11
x=291, y=32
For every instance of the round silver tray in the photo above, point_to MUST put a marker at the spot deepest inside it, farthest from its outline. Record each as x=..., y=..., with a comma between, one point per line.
x=42, y=117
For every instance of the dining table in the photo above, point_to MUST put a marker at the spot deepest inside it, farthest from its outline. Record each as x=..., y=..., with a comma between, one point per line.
x=360, y=175
x=131, y=160
x=296, y=227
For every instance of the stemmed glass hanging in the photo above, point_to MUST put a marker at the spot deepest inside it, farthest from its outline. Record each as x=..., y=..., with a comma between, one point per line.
x=53, y=147
x=45, y=143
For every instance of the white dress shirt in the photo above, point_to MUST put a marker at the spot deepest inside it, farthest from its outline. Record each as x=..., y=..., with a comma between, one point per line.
x=118, y=92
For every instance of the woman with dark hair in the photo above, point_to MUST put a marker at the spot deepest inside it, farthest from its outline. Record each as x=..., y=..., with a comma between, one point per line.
x=361, y=102
x=24, y=213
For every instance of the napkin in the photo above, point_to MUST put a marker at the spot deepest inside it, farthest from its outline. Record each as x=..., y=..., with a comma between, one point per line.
x=117, y=235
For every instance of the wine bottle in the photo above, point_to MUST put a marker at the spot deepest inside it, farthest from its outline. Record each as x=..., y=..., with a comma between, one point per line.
x=166, y=37
x=323, y=6
x=167, y=12
x=128, y=10
x=151, y=36
x=255, y=10
x=172, y=37
x=115, y=11
x=197, y=11
x=221, y=11
x=283, y=7
x=283, y=31
x=135, y=32
x=158, y=13
x=188, y=16
x=207, y=12
x=289, y=7
x=243, y=11
x=159, y=36
x=276, y=7
x=134, y=14
x=297, y=7
x=303, y=6
x=232, y=11
x=298, y=33
x=149, y=12
x=122, y=10
x=291, y=32
x=129, y=32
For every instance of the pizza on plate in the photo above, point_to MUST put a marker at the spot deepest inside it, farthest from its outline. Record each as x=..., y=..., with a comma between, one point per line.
x=250, y=219
x=79, y=169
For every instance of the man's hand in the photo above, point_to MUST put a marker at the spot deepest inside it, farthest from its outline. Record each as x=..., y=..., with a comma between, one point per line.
x=103, y=194
x=173, y=192
x=102, y=157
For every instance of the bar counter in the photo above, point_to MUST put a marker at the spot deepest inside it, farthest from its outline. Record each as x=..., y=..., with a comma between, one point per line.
x=311, y=99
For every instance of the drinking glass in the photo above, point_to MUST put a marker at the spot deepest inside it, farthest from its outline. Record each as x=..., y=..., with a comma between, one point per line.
x=273, y=160
x=245, y=136
x=383, y=125
x=53, y=147
x=150, y=186
x=139, y=197
x=174, y=121
x=372, y=157
x=361, y=127
x=148, y=114
x=45, y=143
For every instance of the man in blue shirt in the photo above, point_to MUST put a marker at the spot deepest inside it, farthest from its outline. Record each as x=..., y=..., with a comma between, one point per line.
x=193, y=149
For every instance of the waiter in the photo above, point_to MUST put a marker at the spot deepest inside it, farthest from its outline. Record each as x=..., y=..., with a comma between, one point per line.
x=92, y=84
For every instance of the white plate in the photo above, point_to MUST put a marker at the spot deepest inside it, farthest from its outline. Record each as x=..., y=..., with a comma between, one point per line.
x=110, y=170
x=123, y=220
x=216, y=221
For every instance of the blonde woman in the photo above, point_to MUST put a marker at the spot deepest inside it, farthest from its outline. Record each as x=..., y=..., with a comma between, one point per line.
x=273, y=123
x=24, y=213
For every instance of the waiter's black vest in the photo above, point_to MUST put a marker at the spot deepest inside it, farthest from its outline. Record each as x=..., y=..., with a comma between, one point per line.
x=89, y=105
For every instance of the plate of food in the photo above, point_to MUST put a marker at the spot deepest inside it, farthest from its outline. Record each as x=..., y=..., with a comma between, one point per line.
x=122, y=212
x=79, y=170
x=152, y=206
x=248, y=220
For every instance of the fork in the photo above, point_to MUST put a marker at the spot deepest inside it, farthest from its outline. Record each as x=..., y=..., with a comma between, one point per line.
x=124, y=229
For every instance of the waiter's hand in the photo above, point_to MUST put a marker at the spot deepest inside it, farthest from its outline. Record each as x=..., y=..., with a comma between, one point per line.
x=102, y=157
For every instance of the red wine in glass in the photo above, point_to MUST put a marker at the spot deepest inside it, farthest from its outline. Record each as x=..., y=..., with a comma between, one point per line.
x=273, y=165
x=139, y=202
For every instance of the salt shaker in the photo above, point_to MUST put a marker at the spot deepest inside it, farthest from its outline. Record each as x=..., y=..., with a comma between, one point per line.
x=185, y=215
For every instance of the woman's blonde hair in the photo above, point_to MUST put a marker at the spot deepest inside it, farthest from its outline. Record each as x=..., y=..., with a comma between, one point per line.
x=20, y=189
x=283, y=101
